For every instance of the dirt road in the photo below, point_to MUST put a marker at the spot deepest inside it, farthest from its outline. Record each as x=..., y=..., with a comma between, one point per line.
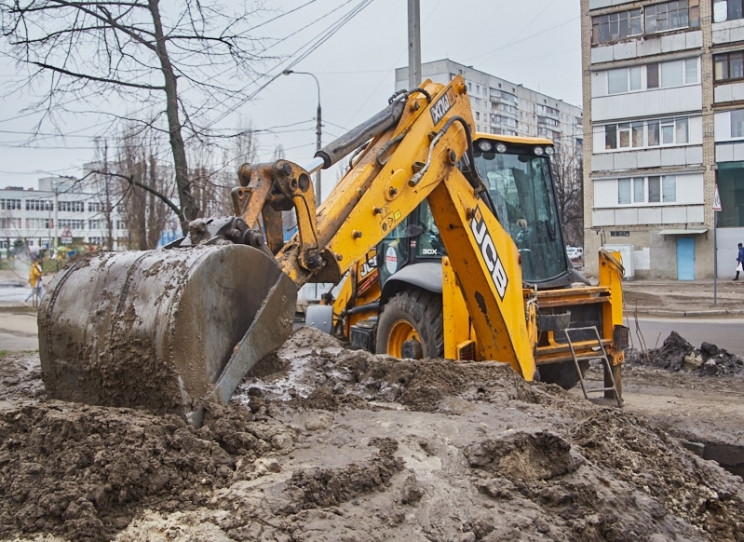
x=322, y=443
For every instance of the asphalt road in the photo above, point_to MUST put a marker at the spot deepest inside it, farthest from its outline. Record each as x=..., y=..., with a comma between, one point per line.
x=18, y=332
x=724, y=333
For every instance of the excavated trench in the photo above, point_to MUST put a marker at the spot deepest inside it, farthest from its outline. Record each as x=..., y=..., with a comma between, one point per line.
x=729, y=456
x=677, y=355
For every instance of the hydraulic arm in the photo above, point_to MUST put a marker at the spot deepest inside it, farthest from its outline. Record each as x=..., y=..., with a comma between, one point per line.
x=168, y=330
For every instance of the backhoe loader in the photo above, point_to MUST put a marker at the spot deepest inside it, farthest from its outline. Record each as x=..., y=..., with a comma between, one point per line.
x=402, y=298
x=173, y=329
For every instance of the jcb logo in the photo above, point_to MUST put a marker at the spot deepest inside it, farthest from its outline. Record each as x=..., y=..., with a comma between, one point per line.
x=441, y=106
x=369, y=266
x=488, y=251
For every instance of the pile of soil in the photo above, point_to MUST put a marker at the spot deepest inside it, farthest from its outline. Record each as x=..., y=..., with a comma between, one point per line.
x=325, y=443
x=676, y=354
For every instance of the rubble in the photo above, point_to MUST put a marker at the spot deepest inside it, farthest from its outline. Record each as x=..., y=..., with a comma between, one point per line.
x=676, y=354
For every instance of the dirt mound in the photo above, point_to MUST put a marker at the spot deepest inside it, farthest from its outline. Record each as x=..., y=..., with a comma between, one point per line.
x=324, y=443
x=677, y=354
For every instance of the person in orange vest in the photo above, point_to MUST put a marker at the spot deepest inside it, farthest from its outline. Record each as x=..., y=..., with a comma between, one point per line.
x=36, y=281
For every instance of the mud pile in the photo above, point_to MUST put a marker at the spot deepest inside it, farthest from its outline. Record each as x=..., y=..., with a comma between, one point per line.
x=324, y=443
x=677, y=354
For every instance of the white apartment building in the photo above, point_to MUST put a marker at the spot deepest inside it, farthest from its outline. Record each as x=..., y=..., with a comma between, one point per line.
x=61, y=211
x=502, y=107
x=664, y=122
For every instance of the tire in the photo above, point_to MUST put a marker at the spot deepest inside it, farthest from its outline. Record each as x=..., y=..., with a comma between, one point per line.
x=410, y=326
x=563, y=373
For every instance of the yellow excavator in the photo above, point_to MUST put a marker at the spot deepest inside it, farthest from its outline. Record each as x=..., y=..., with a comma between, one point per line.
x=404, y=299
x=173, y=329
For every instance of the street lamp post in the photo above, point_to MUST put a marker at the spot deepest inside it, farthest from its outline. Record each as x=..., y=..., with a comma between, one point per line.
x=318, y=130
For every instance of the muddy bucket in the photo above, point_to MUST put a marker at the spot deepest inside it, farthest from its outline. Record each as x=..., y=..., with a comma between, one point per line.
x=163, y=330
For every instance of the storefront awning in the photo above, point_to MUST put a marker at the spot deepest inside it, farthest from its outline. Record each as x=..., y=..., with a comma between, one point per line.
x=680, y=231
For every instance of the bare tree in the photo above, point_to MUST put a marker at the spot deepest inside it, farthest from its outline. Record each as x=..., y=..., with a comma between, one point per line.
x=569, y=189
x=143, y=190
x=161, y=58
x=106, y=189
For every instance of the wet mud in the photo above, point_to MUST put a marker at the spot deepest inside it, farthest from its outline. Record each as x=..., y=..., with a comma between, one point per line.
x=324, y=443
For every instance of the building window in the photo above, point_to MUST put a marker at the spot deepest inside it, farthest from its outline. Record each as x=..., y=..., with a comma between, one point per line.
x=9, y=204
x=616, y=26
x=73, y=224
x=675, y=73
x=650, y=133
x=39, y=224
x=728, y=66
x=71, y=206
x=624, y=80
x=727, y=10
x=654, y=18
x=7, y=223
x=641, y=190
x=737, y=123
x=97, y=224
x=671, y=16
x=731, y=187
x=39, y=205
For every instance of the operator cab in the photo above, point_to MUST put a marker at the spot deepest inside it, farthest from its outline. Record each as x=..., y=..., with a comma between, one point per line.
x=517, y=175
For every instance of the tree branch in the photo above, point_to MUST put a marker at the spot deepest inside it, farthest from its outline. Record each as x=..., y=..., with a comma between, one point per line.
x=57, y=69
x=162, y=197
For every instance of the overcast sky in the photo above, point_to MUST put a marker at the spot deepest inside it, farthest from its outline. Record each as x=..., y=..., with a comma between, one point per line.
x=532, y=42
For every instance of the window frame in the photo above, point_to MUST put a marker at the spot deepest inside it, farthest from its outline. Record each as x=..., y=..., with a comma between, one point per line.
x=737, y=123
x=625, y=24
x=731, y=12
x=726, y=66
x=667, y=132
x=666, y=13
x=651, y=190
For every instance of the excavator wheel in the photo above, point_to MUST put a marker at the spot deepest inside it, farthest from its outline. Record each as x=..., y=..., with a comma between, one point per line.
x=410, y=326
x=163, y=330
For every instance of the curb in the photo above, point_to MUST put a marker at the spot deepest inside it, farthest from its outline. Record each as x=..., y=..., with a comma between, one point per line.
x=712, y=313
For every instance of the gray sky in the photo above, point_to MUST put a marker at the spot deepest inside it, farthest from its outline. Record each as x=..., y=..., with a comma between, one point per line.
x=532, y=42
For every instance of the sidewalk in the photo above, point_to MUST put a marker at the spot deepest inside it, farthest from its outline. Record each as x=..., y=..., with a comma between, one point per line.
x=701, y=298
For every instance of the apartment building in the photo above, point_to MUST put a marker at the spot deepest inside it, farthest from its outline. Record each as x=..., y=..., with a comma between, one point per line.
x=663, y=104
x=502, y=107
x=62, y=210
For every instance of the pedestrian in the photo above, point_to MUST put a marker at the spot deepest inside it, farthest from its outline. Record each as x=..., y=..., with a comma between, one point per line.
x=36, y=281
x=740, y=262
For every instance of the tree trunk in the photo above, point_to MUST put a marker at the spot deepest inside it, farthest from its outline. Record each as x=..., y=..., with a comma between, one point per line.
x=188, y=205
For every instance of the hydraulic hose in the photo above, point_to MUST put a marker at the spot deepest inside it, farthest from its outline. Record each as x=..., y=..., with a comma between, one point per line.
x=388, y=117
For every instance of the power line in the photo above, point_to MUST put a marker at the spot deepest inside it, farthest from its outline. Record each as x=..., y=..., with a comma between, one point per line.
x=300, y=53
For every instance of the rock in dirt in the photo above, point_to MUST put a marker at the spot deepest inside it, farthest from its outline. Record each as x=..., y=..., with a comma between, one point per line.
x=325, y=443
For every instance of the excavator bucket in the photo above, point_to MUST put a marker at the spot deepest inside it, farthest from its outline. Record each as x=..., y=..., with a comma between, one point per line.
x=164, y=330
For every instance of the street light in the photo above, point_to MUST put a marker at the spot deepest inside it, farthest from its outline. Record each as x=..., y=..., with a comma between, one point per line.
x=318, y=131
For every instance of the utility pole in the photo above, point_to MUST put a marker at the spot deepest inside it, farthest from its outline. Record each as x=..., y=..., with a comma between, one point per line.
x=318, y=131
x=414, y=44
